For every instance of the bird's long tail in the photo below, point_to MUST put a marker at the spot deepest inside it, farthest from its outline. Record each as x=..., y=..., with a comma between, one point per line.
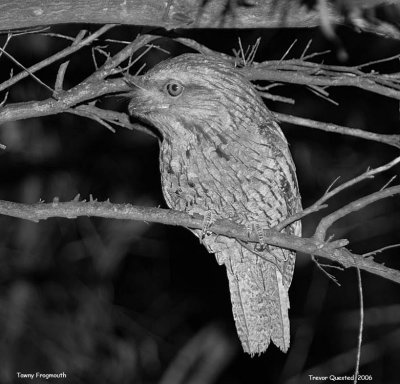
x=259, y=295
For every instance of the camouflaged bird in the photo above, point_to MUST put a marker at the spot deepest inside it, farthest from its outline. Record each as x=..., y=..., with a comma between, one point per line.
x=223, y=154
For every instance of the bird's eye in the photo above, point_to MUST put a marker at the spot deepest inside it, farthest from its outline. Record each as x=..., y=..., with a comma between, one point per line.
x=174, y=89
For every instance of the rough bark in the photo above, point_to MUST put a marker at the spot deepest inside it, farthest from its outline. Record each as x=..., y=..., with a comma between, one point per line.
x=191, y=14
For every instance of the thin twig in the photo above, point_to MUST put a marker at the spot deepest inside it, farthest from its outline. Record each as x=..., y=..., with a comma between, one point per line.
x=380, y=250
x=393, y=140
x=253, y=51
x=315, y=54
x=133, y=62
x=88, y=114
x=305, y=49
x=14, y=60
x=267, y=87
x=360, y=332
x=388, y=183
x=288, y=50
x=320, y=92
x=108, y=67
x=282, y=99
x=380, y=61
x=113, y=117
x=9, y=36
x=63, y=67
x=324, y=271
x=59, y=55
x=203, y=49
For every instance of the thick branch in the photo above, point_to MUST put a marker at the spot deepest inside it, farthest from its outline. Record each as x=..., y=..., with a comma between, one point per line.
x=73, y=209
x=180, y=13
x=189, y=14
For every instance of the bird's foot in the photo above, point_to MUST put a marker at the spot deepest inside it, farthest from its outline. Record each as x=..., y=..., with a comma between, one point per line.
x=262, y=243
x=250, y=227
x=208, y=220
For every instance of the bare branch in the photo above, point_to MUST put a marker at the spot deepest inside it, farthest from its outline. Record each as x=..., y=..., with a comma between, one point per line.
x=298, y=71
x=282, y=99
x=354, y=206
x=289, y=49
x=108, y=67
x=93, y=87
x=380, y=250
x=319, y=204
x=63, y=67
x=88, y=112
x=59, y=55
x=315, y=76
x=195, y=14
x=26, y=70
x=9, y=36
x=203, y=49
x=332, y=251
x=322, y=267
x=393, y=140
x=360, y=331
x=304, y=72
x=117, y=118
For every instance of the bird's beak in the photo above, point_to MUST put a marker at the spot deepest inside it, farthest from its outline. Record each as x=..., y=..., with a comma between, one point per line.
x=144, y=99
x=134, y=82
x=140, y=101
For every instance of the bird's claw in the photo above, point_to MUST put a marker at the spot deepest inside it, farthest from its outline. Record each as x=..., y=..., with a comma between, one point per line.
x=207, y=222
x=262, y=244
x=249, y=229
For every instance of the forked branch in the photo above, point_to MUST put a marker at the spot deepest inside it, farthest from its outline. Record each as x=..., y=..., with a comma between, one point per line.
x=295, y=71
x=106, y=79
x=334, y=251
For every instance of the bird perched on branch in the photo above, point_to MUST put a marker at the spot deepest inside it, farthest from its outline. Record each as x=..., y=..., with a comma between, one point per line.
x=223, y=156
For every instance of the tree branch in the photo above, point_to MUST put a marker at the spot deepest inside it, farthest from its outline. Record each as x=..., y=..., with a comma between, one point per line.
x=333, y=251
x=76, y=99
x=195, y=14
x=76, y=46
x=93, y=87
x=330, y=192
x=393, y=140
x=302, y=72
x=98, y=84
x=354, y=206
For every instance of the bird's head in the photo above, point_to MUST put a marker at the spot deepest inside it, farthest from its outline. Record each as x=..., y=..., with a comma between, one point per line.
x=195, y=95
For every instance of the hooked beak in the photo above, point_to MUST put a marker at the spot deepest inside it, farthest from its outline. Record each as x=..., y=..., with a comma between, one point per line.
x=140, y=102
x=144, y=100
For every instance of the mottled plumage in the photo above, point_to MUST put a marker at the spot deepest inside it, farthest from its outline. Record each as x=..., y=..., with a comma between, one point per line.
x=222, y=153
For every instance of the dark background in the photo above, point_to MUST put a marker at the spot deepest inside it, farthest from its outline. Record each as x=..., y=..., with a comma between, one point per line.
x=110, y=301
